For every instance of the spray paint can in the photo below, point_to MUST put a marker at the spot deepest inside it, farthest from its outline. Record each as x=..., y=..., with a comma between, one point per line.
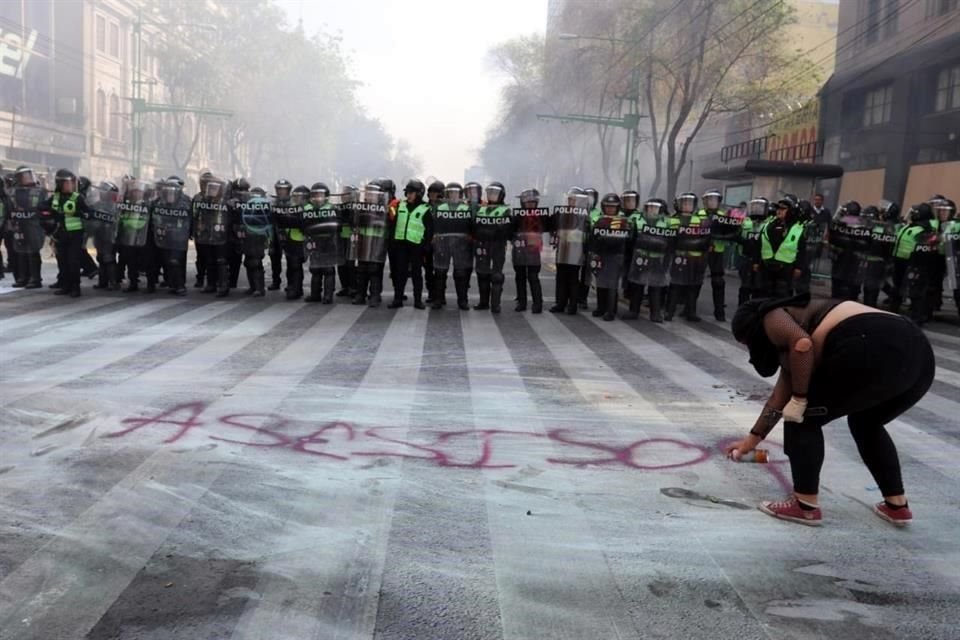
x=757, y=455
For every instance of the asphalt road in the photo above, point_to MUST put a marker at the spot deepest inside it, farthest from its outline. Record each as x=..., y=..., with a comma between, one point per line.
x=262, y=469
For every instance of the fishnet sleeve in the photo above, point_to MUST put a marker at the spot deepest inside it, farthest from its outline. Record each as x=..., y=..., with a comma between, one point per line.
x=784, y=332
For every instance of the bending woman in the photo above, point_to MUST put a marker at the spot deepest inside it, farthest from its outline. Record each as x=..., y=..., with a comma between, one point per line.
x=839, y=359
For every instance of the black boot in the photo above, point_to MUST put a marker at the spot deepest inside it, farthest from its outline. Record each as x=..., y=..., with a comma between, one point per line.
x=610, y=305
x=177, y=278
x=439, y=290
x=295, y=282
x=461, y=283
x=536, y=293
x=636, y=298
x=521, y=282
x=397, y=302
x=601, y=303
x=656, y=304
x=376, y=288
x=316, y=287
x=496, y=293
x=251, y=282
x=260, y=282
x=719, y=301
x=329, y=284
x=483, y=283
x=103, y=279
x=690, y=312
x=362, y=280
x=743, y=295
x=223, y=280
x=673, y=299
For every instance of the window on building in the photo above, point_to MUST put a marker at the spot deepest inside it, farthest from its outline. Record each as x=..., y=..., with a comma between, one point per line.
x=101, y=34
x=948, y=89
x=891, y=16
x=114, y=39
x=872, y=20
x=101, y=114
x=114, y=117
x=937, y=8
x=877, y=106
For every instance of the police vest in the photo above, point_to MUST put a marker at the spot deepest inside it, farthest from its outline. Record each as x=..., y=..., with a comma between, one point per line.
x=787, y=251
x=410, y=223
x=71, y=220
x=906, y=242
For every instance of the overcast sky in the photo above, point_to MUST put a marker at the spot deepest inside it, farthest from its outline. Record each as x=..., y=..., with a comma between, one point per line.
x=396, y=45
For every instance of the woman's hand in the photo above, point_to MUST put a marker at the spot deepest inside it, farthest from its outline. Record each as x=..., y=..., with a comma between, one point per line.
x=742, y=448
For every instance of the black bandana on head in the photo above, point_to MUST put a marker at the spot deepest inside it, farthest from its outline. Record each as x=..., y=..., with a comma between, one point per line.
x=748, y=328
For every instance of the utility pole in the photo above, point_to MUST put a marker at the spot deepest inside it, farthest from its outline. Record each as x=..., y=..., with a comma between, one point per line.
x=630, y=121
x=140, y=106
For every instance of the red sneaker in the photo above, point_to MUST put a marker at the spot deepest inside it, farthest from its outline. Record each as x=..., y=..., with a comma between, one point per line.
x=896, y=517
x=789, y=509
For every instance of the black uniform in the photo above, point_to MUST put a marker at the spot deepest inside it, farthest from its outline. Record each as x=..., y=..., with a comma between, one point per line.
x=69, y=211
x=28, y=237
x=170, y=228
x=571, y=225
x=253, y=230
x=288, y=221
x=529, y=225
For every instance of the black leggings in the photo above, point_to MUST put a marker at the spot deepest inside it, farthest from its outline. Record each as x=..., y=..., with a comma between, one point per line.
x=874, y=368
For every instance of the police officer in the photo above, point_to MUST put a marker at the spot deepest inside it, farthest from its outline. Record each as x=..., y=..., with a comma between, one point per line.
x=321, y=226
x=950, y=248
x=629, y=204
x=783, y=248
x=288, y=218
x=530, y=222
x=883, y=236
x=493, y=229
x=914, y=253
x=170, y=226
x=571, y=225
x=282, y=190
x=652, y=246
x=452, y=246
x=410, y=232
x=255, y=232
x=607, y=244
x=749, y=262
x=212, y=222
x=585, y=273
x=434, y=197
x=724, y=232
x=67, y=206
x=24, y=226
x=4, y=241
x=849, y=243
x=690, y=260
x=370, y=223
x=348, y=270
x=201, y=249
x=133, y=215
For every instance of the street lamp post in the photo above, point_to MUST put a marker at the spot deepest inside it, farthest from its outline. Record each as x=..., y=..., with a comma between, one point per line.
x=629, y=122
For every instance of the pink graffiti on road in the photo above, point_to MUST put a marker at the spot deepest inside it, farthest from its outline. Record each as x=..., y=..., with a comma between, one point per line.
x=342, y=441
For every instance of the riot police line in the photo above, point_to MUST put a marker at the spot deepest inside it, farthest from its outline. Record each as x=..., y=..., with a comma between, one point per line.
x=645, y=251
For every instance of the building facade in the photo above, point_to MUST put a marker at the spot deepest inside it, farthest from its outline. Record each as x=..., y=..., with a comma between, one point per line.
x=890, y=115
x=67, y=72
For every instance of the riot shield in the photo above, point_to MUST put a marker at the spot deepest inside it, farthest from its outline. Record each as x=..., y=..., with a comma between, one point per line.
x=100, y=221
x=171, y=224
x=608, y=243
x=951, y=252
x=252, y=227
x=321, y=226
x=492, y=233
x=369, y=240
x=452, y=243
x=133, y=215
x=572, y=224
x=652, y=254
x=28, y=235
x=883, y=237
x=213, y=217
x=529, y=226
x=726, y=225
x=690, y=261
x=851, y=237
